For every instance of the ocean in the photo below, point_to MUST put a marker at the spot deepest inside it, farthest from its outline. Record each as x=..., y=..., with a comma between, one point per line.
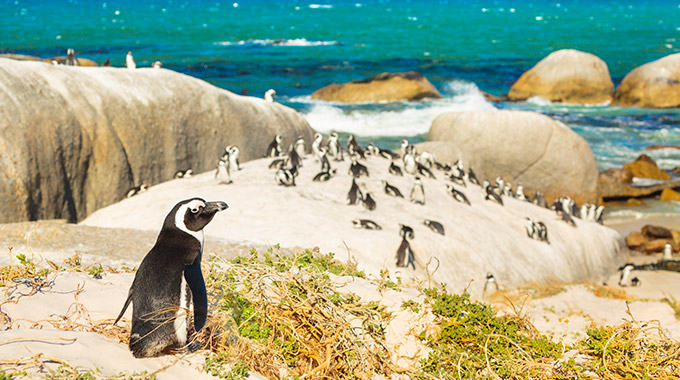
x=297, y=47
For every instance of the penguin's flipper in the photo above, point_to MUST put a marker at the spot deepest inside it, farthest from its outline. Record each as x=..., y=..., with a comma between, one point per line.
x=127, y=303
x=199, y=295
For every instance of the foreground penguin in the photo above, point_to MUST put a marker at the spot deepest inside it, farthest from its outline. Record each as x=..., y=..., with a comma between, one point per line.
x=434, y=226
x=169, y=282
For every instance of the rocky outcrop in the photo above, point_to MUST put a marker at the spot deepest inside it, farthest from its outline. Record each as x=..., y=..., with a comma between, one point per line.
x=653, y=239
x=383, y=87
x=645, y=167
x=567, y=76
x=670, y=195
x=618, y=183
x=60, y=60
x=522, y=147
x=653, y=85
x=75, y=139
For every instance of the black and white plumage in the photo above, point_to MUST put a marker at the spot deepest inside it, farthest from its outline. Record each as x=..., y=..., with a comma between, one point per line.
x=286, y=176
x=406, y=231
x=490, y=281
x=324, y=176
x=300, y=147
x=269, y=95
x=278, y=163
x=222, y=172
x=356, y=169
x=369, y=202
x=323, y=157
x=635, y=281
x=354, y=195
x=294, y=160
x=491, y=195
x=410, y=164
x=353, y=147
x=384, y=153
x=507, y=190
x=316, y=146
x=565, y=217
x=71, y=59
x=234, y=162
x=457, y=177
x=519, y=193
x=405, y=255
x=130, y=61
x=472, y=177
x=136, y=190
x=183, y=174
x=537, y=230
x=434, y=226
x=539, y=199
x=426, y=159
x=625, y=274
x=395, y=170
x=391, y=190
x=406, y=148
x=457, y=195
x=667, y=252
x=423, y=170
x=169, y=282
x=334, y=147
x=366, y=224
x=274, y=148
x=417, y=194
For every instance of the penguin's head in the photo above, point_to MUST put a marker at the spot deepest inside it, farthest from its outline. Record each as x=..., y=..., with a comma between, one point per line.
x=195, y=213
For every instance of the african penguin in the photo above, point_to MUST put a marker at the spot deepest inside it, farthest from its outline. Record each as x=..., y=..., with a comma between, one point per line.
x=625, y=274
x=169, y=282
x=354, y=195
x=434, y=226
x=366, y=224
x=490, y=280
x=406, y=231
x=157, y=65
x=410, y=164
x=334, y=147
x=417, y=194
x=472, y=177
x=519, y=194
x=324, y=176
x=136, y=190
x=300, y=147
x=286, y=176
x=566, y=218
x=539, y=199
x=269, y=95
x=274, y=149
x=667, y=252
x=394, y=169
x=635, y=281
x=405, y=256
x=492, y=195
x=130, y=61
x=222, y=173
x=316, y=145
x=356, y=169
x=323, y=156
x=457, y=195
x=294, y=160
x=71, y=59
x=426, y=159
x=423, y=170
x=234, y=153
x=391, y=190
x=183, y=173
x=369, y=203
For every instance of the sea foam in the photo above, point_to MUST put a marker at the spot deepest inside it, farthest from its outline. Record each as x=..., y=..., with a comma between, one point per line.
x=277, y=42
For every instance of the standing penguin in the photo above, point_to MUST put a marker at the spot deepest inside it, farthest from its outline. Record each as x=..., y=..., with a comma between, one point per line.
x=300, y=147
x=354, y=195
x=71, y=59
x=405, y=253
x=130, y=61
x=316, y=146
x=169, y=282
x=269, y=95
x=417, y=194
x=334, y=147
x=369, y=203
x=356, y=169
x=625, y=274
x=490, y=280
x=233, y=152
x=222, y=173
x=274, y=148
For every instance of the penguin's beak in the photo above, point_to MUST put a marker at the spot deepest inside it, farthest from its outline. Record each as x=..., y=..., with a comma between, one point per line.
x=213, y=207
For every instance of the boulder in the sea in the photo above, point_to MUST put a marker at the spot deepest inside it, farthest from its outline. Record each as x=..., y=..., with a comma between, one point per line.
x=635, y=239
x=652, y=85
x=522, y=147
x=613, y=188
x=656, y=232
x=74, y=140
x=383, y=87
x=670, y=195
x=645, y=167
x=567, y=76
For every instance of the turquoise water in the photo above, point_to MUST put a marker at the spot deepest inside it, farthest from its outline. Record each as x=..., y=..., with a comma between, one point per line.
x=297, y=47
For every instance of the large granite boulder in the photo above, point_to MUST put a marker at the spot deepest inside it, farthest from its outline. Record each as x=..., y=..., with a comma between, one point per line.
x=567, y=76
x=653, y=85
x=522, y=147
x=380, y=88
x=74, y=139
x=645, y=167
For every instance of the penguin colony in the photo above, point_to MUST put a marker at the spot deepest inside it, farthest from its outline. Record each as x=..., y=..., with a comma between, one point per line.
x=327, y=152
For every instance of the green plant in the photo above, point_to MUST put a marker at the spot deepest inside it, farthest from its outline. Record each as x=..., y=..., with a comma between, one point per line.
x=411, y=305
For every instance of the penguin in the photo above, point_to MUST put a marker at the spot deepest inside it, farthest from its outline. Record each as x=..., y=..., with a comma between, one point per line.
x=323, y=157
x=157, y=65
x=71, y=59
x=269, y=95
x=130, y=61
x=366, y=224
x=519, y=194
x=417, y=194
x=354, y=148
x=324, y=176
x=300, y=147
x=406, y=148
x=391, y=190
x=423, y=170
x=285, y=176
x=491, y=195
x=356, y=169
x=405, y=253
x=406, y=231
x=539, y=199
x=354, y=195
x=542, y=232
x=55, y=63
x=500, y=184
x=472, y=177
x=278, y=163
x=625, y=274
x=222, y=173
x=334, y=147
x=566, y=218
x=457, y=177
x=599, y=214
x=410, y=164
x=667, y=252
x=316, y=145
x=107, y=63
x=507, y=190
x=635, y=281
x=434, y=226
x=531, y=228
x=294, y=160
x=395, y=170
x=369, y=203
x=234, y=153
x=457, y=195
x=274, y=148
x=136, y=190
x=426, y=159
x=169, y=282
x=183, y=173
x=490, y=280
x=384, y=153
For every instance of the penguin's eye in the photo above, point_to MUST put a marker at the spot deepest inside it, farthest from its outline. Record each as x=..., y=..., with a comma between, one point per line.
x=194, y=210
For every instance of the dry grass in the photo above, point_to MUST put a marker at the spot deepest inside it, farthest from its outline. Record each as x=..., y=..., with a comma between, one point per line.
x=604, y=291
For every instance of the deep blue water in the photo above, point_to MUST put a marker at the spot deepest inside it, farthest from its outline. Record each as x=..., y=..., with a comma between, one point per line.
x=297, y=47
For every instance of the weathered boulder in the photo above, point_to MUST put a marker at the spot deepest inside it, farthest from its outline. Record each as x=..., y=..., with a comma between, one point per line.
x=645, y=167
x=670, y=195
x=635, y=239
x=74, y=139
x=60, y=60
x=568, y=76
x=651, y=231
x=380, y=88
x=653, y=85
x=522, y=147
